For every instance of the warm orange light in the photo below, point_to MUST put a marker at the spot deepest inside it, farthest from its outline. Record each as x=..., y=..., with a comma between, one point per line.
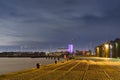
x=106, y=46
x=65, y=56
x=106, y=50
x=97, y=49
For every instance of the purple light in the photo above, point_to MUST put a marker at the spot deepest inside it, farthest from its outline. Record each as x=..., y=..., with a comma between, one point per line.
x=70, y=48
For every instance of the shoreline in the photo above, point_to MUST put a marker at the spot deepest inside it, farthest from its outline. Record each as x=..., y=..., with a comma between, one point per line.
x=30, y=69
x=84, y=68
x=23, y=71
x=8, y=65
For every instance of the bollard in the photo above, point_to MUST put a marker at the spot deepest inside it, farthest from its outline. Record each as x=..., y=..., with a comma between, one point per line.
x=38, y=65
x=55, y=61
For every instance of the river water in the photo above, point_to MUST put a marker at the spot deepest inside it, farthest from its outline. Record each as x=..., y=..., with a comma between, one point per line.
x=8, y=65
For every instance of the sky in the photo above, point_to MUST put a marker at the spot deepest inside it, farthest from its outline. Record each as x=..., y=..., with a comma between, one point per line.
x=46, y=25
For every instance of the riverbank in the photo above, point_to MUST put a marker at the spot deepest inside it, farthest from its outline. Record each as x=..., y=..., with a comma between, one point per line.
x=8, y=65
x=75, y=69
x=27, y=72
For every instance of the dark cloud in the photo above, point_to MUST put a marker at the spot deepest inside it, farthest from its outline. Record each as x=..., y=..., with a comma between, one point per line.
x=39, y=24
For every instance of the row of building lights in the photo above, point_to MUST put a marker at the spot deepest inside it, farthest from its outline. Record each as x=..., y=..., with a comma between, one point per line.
x=109, y=49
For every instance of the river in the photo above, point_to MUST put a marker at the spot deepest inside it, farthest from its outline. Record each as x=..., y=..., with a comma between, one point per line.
x=8, y=65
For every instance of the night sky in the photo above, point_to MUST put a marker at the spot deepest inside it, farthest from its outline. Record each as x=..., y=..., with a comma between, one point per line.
x=45, y=25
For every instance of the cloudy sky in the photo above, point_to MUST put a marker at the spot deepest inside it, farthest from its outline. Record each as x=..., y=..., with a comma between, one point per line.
x=51, y=24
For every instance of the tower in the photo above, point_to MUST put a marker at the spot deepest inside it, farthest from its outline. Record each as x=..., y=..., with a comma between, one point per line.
x=70, y=48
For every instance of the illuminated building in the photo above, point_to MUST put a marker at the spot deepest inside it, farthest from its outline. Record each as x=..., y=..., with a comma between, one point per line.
x=109, y=49
x=117, y=47
x=70, y=48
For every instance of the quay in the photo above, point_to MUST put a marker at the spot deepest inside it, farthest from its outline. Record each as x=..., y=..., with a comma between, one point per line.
x=75, y=69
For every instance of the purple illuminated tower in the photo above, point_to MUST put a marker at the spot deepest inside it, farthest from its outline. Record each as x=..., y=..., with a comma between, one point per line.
x=70, y=48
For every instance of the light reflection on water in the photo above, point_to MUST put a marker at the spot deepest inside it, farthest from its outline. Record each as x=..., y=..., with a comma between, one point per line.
x=15, y=64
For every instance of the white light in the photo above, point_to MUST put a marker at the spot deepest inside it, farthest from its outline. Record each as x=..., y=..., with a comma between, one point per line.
x=111, y=46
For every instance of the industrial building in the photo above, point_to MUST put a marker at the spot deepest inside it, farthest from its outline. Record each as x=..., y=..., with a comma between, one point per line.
x=110, y=49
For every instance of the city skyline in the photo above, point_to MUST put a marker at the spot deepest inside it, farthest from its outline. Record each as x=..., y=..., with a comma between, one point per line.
x=46, y=25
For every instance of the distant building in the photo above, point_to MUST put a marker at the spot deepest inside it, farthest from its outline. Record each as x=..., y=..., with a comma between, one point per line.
x=70, y=48
x=109, y=49
x=83, y=53
x=62, y=50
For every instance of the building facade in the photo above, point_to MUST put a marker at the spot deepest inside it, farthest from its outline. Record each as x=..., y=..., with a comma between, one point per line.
x=110, y=49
